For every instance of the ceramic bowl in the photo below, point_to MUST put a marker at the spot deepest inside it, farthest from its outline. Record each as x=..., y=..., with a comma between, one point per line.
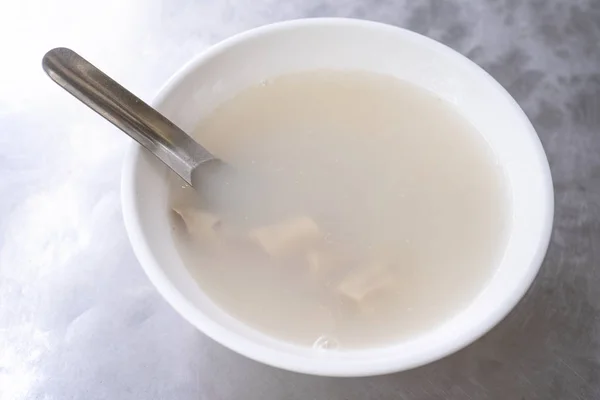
x=269, y=51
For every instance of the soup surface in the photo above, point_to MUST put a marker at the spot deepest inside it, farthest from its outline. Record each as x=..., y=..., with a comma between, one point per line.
x=359, y=210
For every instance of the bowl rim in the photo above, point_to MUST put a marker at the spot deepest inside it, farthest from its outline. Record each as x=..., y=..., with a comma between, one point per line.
x=258, y=352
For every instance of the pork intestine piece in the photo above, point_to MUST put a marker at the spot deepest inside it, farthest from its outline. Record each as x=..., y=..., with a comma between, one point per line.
x=365, y=281
x=288, y=237
x=200, y=225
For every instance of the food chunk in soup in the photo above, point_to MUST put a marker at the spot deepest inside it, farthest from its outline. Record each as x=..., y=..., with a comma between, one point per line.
x=287, y=237
x=201, y=225
x=365, y=281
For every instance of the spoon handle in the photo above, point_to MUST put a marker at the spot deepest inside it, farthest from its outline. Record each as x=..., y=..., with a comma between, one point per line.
x=112, y=101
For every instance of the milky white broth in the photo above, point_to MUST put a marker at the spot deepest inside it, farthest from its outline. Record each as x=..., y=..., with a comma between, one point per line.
x=361, y=210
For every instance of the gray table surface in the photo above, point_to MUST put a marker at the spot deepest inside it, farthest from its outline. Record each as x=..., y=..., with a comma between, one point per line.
x=78, y=317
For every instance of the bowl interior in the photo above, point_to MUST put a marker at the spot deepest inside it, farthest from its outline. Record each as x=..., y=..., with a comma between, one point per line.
x=349, y=45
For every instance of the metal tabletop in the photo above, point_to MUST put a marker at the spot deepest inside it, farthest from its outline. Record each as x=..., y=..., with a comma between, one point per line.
x=78, y=317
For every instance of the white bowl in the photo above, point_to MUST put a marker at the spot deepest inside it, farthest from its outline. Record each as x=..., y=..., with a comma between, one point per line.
x=262, y=53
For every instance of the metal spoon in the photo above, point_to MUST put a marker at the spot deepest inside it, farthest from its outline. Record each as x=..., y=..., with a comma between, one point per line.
x=127, y=112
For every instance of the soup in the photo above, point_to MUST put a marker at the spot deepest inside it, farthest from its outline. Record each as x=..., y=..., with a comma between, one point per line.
x=359, y=210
